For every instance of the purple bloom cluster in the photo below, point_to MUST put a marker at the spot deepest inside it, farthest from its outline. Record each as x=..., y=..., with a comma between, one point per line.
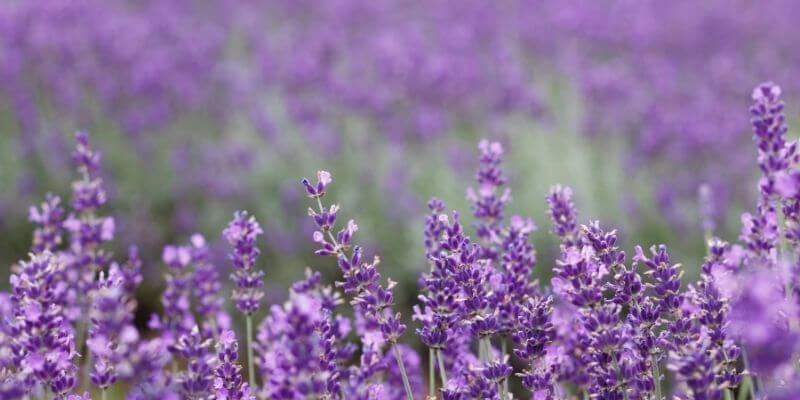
x=606, y=328
x=242, y=233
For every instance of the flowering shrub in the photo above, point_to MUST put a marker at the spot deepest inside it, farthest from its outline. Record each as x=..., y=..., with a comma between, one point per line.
x=603, y=328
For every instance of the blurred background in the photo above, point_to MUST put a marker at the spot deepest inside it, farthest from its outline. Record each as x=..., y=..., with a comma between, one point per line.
x=205, y=107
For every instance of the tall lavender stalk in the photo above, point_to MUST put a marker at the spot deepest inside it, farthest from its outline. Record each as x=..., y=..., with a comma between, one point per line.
x=361, y=279
x=241, y=234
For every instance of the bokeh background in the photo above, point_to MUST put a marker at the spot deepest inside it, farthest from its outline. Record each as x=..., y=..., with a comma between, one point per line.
x=205, y=107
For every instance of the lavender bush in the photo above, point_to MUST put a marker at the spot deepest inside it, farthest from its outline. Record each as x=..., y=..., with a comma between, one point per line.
x=603, y=327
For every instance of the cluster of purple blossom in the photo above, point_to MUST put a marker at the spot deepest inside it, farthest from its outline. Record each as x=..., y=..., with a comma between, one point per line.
x=605, y=328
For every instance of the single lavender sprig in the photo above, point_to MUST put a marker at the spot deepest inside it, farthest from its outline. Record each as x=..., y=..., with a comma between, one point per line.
x=207, y=289
x=563, y=215
x=178, y=319
x=43, y=343
x=228, y=383
x=197, y=382
x=361, y=279
x=49, y=219
x=242, y=233
x=112, y=335
x=775, y=154
x=489, y=199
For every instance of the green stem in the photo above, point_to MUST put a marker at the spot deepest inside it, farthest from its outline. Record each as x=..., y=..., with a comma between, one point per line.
x=442, y=370
x=406, y=384
x=103, y=395
x=504, y=351
x=431, y=373
x=250, y=368
x=656, y=378
x=728, y=394
x=585, y=395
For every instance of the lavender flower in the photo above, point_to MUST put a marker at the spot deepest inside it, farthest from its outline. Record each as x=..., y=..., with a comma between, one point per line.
x=563, y=214
x=487, y=203
x=228, y=382
x=198, y=379
x=361, y=279
x=176, y=299
x=242, y=233
x=43, y=343
x=111, y=333
x=48, y=217
x=207, y=288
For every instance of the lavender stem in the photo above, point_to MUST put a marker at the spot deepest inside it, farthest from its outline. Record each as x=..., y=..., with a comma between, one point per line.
x=442, y=371
x=250, y=368
x=403, y=373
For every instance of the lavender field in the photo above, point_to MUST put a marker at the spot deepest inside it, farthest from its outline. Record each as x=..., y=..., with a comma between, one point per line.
x=420, y=199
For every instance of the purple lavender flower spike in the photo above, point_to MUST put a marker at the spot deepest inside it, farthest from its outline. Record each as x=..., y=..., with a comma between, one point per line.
x=198, y=379
x=488, y=202
x=361, y=279
x=43, y=343
x=666, y=277
x=207, y=289
x=228, y=383
x=176, y=299
x=694, y=369
x=563, y=214
x=241, y=234
x=48, y=218
x=775, y=154
x=111, y=333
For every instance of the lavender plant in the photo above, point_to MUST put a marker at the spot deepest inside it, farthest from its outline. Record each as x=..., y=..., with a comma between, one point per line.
x=604, y=327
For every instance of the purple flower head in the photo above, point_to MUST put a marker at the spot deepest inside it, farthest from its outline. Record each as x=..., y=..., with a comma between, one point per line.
x=318, y=190
x=198, y=379
x=228, y=384
x=111, y=332
x=563, y=214
x=769, y=133
x=665, y=275
x=87, y=160
x=694, y=369
x=488, y=201
x=207, y=286
x=48, y=218
x=241, y=234
x=43, y=341
x=578, y=278
x=176, y=298
x=760, y=319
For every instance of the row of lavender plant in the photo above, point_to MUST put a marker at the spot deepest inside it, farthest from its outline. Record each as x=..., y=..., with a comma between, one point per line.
x=605, y=328
x=395, y=66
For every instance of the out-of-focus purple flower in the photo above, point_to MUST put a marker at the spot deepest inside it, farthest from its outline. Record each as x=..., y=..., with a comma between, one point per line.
x=178, y=318
x=48, y=218
x=761, y=318
x=775, y=154
x=489, y=199
x=241, y=234
x=563, y=214
x=207, y=289
x=111, y=333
